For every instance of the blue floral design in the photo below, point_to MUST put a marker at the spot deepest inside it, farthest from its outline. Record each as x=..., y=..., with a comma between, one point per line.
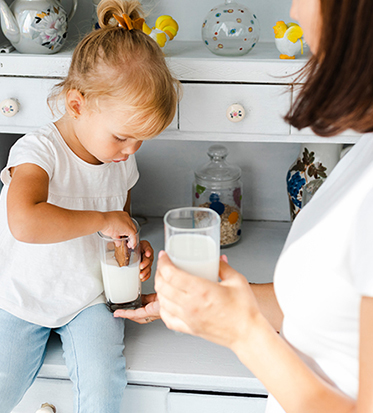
x=214, y=197
x=295, y=183
x=216, y=205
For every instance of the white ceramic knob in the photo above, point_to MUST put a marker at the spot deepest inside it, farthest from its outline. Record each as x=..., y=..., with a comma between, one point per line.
x=9, y=107
x=235, y=112
x=46, y=408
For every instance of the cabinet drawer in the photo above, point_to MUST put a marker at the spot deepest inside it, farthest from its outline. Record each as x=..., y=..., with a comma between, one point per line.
x=31, y=93
x=56, y=392
x=203, y=108
x=136, y=399
x=202, y=403
x=308, y=132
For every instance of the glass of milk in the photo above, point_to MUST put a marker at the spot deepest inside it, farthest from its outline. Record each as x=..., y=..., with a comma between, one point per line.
x=192, y=240
x=120, y=267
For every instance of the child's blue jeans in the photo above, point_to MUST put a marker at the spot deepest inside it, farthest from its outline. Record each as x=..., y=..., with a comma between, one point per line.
x=93, y=350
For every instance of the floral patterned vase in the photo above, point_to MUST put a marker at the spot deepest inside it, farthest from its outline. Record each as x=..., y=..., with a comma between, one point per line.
x=315, y=161
x=230, y=29
x=35, y=26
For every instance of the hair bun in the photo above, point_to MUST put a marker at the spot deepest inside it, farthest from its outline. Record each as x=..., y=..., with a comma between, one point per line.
x=106, y=9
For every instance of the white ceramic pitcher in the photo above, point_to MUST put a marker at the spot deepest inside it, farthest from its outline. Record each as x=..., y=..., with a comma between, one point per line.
x=35, y=26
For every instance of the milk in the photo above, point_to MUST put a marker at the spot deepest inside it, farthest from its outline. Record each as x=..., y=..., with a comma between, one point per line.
x=195, y=253
x=121, y=284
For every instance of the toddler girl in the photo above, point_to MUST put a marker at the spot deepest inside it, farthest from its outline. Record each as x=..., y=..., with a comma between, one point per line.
x=62, y=184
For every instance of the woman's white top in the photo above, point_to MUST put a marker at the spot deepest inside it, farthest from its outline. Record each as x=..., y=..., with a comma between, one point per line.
x=325, y=268
x=49, y=284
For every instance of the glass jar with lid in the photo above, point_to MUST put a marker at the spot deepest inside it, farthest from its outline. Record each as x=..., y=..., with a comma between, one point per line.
x=218, y=186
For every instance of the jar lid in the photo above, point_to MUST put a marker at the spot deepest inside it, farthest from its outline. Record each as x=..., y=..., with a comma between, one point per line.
x=218, y=170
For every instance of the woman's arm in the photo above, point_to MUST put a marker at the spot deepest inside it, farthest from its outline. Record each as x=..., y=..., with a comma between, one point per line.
x=268, y=305
x=32, y=219
x=228, y=314
x=365, y=399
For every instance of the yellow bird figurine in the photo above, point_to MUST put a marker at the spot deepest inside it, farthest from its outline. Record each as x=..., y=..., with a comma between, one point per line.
x=288, y=39
x=165, y=30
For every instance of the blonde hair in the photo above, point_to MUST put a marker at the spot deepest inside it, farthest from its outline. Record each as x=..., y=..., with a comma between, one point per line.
x=125, y=65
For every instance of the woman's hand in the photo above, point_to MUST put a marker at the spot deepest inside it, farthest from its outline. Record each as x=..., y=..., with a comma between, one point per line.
x=146, y=314
x=147, y=258
x=219, y=312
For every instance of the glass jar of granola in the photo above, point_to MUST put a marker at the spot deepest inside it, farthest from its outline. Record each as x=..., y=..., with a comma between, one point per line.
x=218, y=186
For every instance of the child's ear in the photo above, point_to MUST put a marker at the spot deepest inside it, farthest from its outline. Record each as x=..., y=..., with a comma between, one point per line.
x=75, y=103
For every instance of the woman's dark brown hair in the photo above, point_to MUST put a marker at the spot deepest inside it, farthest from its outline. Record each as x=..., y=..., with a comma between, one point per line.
x=337, y=93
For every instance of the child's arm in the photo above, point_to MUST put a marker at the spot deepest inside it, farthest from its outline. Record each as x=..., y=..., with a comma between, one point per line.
x=147, y=252
x=32, y=219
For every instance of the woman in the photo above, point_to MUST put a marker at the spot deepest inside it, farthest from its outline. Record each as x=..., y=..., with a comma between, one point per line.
x=323, y=360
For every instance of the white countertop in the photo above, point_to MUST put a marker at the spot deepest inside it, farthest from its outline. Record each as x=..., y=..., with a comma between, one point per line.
x=160, y=357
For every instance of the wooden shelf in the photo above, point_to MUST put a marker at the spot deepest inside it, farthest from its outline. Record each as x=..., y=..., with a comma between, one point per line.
x=159, y=357
x=189, y=61
x=192, y=61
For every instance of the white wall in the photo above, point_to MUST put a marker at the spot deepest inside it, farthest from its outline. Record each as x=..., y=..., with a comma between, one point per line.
x=167, y=172
x=188, y=13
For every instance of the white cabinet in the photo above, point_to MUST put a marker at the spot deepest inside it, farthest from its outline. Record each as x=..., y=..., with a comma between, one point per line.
x=168, y=373
x=199, y=403
x=142, y=399
x=176, y=373
x=59, y=393
x=204, y=106
x=56, y=392
x=31, y=95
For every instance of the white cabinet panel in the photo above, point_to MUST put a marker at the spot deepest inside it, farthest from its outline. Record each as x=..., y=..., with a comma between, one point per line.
x=141, y=399
x=203, y=108
x=56, y=392
x=136, y=399
x=145, y=399
x=308, y=132
x=202, y=403
x=31, y=93
x=307, y=135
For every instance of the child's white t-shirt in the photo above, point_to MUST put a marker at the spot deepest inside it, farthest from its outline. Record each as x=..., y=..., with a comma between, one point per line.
x=49, y=284
x=325, y=268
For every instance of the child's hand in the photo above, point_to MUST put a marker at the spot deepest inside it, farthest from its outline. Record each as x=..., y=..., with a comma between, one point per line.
x=118, y=224
x=147, y=257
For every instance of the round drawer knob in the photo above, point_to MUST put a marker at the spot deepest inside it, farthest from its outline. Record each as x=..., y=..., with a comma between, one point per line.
x=46, y=408
x=9, y=107
x=235, y=113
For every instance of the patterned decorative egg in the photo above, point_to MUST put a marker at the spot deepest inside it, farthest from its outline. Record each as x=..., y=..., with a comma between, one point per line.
x=230, y=29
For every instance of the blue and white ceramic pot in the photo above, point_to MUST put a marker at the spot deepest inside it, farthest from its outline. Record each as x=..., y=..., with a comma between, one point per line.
x=315, y=161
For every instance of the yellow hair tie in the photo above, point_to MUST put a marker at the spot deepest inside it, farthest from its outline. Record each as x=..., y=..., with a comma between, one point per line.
x=127, y=23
